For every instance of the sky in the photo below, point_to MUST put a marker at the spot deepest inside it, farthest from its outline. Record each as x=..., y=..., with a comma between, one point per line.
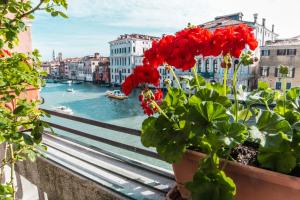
x=93, y=23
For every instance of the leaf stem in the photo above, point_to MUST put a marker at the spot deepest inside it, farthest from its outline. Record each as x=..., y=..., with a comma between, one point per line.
x=234, y=86
x=225, y=81
x=196, y=76
x=175, y=77
x=284, y=94
x=160, y=110
x=12, y=170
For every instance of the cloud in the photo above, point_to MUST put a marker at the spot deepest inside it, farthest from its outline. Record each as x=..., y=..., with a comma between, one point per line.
x=93, y=23
x=177, y=13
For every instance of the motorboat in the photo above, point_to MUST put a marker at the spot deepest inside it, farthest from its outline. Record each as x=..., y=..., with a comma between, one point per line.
x=70, y=90
x=64, y=110
x=116, y=94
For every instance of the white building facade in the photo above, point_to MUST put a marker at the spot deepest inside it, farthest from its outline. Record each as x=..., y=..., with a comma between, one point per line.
x=126, y=53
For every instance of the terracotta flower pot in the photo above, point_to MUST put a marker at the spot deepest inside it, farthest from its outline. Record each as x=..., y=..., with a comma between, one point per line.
x=252, y=183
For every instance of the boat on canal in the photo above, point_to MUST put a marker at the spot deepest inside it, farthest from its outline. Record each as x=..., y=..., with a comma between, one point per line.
x=64, y=110
x=70, y=90
x=116, y=94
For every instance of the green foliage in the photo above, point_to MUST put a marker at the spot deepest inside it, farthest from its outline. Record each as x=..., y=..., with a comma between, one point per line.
x=21, y=127
x=210, y=182
x=204, y=119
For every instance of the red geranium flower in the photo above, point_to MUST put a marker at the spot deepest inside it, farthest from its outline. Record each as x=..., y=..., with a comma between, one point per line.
x=4, y=52
x=141, y=75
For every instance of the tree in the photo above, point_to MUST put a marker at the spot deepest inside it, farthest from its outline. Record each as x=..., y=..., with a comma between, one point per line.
x=21, y=125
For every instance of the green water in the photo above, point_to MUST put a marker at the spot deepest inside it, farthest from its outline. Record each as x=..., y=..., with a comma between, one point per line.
x=89, y=101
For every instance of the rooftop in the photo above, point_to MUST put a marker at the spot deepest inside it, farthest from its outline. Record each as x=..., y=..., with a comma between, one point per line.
x=285, y=42
x=136, y=36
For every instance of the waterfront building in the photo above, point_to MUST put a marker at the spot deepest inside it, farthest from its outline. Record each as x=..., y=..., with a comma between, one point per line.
x=73, y=68
x=102, y=72
x=89, y=66
x=46, y=67
x=273, y=54
x=126, y=52
x=210, y=67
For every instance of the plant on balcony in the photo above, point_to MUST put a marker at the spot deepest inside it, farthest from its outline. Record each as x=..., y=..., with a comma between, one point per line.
x=21, y=127
x=204, y=119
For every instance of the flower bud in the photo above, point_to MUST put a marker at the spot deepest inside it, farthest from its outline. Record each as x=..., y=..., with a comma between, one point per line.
x=167, y=82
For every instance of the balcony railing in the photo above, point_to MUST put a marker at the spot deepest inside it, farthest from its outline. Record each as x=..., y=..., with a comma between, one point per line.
x=143, y=180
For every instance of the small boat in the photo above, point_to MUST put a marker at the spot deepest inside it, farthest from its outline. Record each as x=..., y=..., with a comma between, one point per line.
x=64, y=110
x=70, y=90
x=116, y=94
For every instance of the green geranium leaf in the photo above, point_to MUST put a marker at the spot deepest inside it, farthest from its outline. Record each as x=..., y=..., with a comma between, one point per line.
x=232, y=133
x=150, y=136
x=263, y=85
x=268, y=122
x=276, y=153
x=283, y=162
x=211, y=183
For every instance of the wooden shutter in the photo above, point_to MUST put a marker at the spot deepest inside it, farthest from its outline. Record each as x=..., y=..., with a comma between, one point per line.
x=293, y=72
x=276, y=72
x=268, y=71
x=261, y=71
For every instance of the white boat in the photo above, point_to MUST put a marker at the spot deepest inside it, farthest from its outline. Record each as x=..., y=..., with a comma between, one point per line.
x=70, y=90
x=64, y=110
x=116, y=94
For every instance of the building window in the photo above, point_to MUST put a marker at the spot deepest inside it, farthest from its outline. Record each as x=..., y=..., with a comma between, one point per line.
x=215, y=66
x=281, y=52
x=199, y=65
x=292, y=52
x=278, y=86
x=265, y=52
x=264, y=71
x=288, y=85
x=129, y=71
x=128, y=49
x=133, y=49
x=207, y=65
x=291, y=73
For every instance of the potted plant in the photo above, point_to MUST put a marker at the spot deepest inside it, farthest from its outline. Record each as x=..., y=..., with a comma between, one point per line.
x=21, y=125
x=220, y=147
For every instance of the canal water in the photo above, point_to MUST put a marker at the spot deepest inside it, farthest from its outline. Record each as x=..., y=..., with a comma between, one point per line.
x=89, y=101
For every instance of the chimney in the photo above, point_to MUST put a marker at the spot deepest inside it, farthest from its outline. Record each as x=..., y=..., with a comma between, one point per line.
x=255, y=17
x=264, y=22
x=273, y=26
x=97, y=55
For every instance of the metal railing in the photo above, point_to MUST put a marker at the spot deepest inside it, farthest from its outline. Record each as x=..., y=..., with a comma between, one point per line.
x=122, y=130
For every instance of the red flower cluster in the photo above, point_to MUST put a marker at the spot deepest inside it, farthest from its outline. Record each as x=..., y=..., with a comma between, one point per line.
x=4, y=53
x=148, y=101
x=141, y=75
x=233, y=40
x=179, y=50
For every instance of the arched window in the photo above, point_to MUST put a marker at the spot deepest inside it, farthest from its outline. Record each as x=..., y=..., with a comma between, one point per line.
x=236, y=62
x=207, y=65
x=199, y=65
x=215, y=65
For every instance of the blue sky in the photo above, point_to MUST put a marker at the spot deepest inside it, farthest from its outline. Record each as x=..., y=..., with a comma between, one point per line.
x=93, y=23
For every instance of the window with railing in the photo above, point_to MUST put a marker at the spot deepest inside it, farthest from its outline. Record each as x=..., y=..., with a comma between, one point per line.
x=292, y=52
x=291, y=73
x=265, y=52
x=281, y=52
x=264, y=71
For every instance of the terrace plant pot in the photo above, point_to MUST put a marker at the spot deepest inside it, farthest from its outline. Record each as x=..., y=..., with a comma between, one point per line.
x=252, y=182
